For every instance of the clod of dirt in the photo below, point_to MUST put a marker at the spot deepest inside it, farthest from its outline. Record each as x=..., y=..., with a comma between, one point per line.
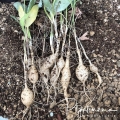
x=118, y=63
x=118, y=100
x=70, y=115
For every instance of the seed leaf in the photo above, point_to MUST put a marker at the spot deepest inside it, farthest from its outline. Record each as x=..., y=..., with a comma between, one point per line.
x=31, y=3
x=60, y=5
x=31, y=16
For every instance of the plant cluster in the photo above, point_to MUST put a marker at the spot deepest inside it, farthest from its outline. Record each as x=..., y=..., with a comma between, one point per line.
x=55, y=67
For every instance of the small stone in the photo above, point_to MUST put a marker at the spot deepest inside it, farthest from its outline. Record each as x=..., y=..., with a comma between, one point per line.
x=92, y=33
x=44, y=99
x=107, y=102
x=51, y=114
x=118, y=63
x=117, y=56
x=70, y=115
x=76, y=96
x=118, y=50
x=96, y=115
x=115, y=72
x=22, y=38
x=94, y=55
x=52, y=104
x=114, y=100
x=100, y=55
x=118, y=100
x=71, y=105
x=104, y=84
x=113, y=51
x=1, y=10
x=108, y=118
x=114, y=60
x=113, y=41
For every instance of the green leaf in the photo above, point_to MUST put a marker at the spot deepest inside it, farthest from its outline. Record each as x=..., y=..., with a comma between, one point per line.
x=19, y=8
x=22, y=24
x=17, y=5
x=29, y=35
x=23, y=19
x=40, y=4
x=57, y=5
x=21, y=12
x=48, y=5
x=31, y=16
x=25, y=9
x=31, y=3
x=60, y=5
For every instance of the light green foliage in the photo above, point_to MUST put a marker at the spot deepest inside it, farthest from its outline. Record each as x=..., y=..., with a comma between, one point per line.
x=40, y=4
x=31, y=3
x=30, y=17
x=26, y=16
x=57, y=5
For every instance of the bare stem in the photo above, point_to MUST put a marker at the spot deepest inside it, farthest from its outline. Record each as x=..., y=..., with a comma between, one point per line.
x=51, y=38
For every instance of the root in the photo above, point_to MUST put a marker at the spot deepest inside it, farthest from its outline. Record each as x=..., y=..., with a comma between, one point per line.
x=25, y=112
x=34, y=90
x=48, y=94
x=85, y=92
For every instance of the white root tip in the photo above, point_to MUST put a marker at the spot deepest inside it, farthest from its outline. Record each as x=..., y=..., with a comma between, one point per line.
x=99, y=79
x=94, y=69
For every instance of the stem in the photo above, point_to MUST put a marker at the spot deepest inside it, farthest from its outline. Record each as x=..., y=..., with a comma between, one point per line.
x=55, y=26
x=58, y=44
x=78, y=50
x=26, y=49
x=47, y=14
x=24, y=5
x=61, y=23
x=43, y=51
x=64, y=38
x=31, y=51
x=68, y=55
x=25, y=63
x=84, y=51
x=51, y=39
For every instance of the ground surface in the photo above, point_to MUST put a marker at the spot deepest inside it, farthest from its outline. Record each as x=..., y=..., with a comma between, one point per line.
x=99, y=16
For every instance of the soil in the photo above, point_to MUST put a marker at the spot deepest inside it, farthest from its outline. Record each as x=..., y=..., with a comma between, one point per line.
x=101, y=18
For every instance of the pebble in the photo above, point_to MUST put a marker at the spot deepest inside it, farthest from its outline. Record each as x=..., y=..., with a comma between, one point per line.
x=76, y=96
x=96, y=115
x=72, y=104
x=113, y=41
x=94, y=103
x=107, y=102
x=117, y=56
x=118, y=50
x=118, y=100
x=118, y=63
x=92, y=33
x=70, y=115
x=94, y=55
x=99, y=55
x=1, y=10
x=113, y=51
x=44, y=99
x=114, y=60
x=114, y=100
